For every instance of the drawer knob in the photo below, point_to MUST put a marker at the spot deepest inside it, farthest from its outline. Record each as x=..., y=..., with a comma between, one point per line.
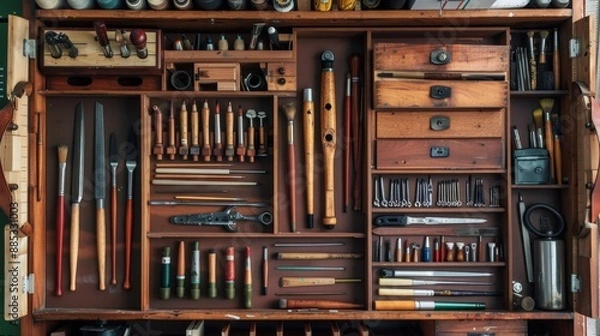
x=440, y=57
x=439, y=123
x=440, y=92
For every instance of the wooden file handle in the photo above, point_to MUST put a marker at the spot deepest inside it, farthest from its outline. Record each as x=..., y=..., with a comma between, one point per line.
x=74, y=246
x=60, y=231
x=128, y=237
x=328, y=136
x=395, y=305
x=101, y=247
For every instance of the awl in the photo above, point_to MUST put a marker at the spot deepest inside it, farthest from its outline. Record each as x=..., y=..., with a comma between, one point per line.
x=403, y=220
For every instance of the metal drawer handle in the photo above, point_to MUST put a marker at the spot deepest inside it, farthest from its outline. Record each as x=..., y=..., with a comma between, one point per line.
x=439, y=152
x=440, y=57
x=440, y=92
x=439, y=123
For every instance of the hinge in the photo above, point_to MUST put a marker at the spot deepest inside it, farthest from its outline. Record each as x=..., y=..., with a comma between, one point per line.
x=574, y=47
x=575, y=283
x=28, y=284
x=29, y=48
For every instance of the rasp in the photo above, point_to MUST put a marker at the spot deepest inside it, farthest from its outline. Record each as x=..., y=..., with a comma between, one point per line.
x=100, y=192
x=76, y=191
x=403, y=220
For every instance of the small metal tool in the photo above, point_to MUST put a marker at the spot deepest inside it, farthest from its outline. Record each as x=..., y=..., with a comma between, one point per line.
x=403, y=220
x=227, y=218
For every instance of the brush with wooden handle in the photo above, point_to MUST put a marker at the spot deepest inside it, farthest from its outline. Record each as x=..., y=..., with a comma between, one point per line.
x=547, y=104
x=287, y=282
x=290, y=113
x=328, y=135
x=532, y=63
x=60, y=215
x=556, y=61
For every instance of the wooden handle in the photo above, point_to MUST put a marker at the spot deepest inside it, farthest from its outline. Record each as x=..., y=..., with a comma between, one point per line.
x=206, y=131
x=113, y=234
x=128, y=238
x=229, y=151
x=171, y=150
x=183, y=131
x=395, y=282
x=101, y=247
x=558, y=159
x=556, y=62
x=308, y=112
x=549, y=140
x=292, y=181
x=328, y=140
x=316, y=255
x=320, y=304
x=305, y=281
x=60, y=232
x=250, y=151
x=74, y=245
x=158, y=130
x=195, y=125
x=395, y=305
x=395, y=292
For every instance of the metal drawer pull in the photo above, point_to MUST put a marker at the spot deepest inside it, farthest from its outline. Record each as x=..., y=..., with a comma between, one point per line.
x=439, y=152
x=439, y=123
x=440, y=57
x=440, y=92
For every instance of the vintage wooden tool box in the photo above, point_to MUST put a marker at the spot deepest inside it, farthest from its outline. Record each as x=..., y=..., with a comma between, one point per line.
x=355, y=175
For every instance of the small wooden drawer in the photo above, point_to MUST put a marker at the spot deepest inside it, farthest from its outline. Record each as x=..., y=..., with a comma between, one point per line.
x=403, y=93
x=438, y=57
x=217, y=76
x=476, y=328
x=440, y=154
x=281, y=76
x=435, y=124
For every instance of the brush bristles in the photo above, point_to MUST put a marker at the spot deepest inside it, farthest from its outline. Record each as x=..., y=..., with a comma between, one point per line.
x=544, y=34
x=538, y=116
x=290, y=111
x=62, y=153
x=547, y=104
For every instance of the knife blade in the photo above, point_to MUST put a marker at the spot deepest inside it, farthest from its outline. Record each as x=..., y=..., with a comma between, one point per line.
x=100, y=193
x=113, y=160
x=130, y=164
x=403, y=220
x=76, y=191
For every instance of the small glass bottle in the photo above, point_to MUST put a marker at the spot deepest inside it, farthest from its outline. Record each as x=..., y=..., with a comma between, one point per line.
x=223, y=44
x=238, y=44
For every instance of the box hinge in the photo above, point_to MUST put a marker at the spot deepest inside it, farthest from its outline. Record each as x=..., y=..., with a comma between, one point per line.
x=29, y=48
x=575, y=283
x=28, y=284
x=574, y=47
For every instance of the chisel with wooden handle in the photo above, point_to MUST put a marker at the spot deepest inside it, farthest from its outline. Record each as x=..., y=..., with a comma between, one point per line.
x=312, y=281
x=316, y=255
x=328, y=135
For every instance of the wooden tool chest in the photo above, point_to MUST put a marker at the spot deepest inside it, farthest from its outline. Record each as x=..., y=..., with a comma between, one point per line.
x=430, y=135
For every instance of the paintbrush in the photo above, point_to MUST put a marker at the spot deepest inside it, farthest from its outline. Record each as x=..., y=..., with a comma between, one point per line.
x=60, y=215
x=289, y=110
x=547, y=104
x=538, y=120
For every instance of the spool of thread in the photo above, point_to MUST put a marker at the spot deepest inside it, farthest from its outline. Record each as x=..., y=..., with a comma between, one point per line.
x=50, y=4
x=183, y=4
x=110, y=4
x=236, y=4
x=208, y=4
x=158, y=4
x=260, y=4
x=283, y=6
x=81, y=4
x=136, y=4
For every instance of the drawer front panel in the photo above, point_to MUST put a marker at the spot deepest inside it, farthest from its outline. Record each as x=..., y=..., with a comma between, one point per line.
x=492, y=327
x=399, y=93
x=436, y=57
x=430, y=124
x=440, y=154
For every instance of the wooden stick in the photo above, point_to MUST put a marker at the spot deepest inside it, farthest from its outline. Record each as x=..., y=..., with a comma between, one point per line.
x=286, y=282
x=328, y=135
x=347, y=117
x=171, y=149
x=190, y=165
x=166, y=182
x=158, y=129
x=206, y=131
x=195, y=131
x=199, y=176
x=184, y=148
x=241, y=145
x=290, y=112
x=556, y=61
x=316, y=255
x=229, y=150
x=318, y=304
x=211, y=198
x=213, y=171
x=309, y=155
x=355, y=66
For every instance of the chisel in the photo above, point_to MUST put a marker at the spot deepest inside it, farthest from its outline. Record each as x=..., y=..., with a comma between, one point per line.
x=312, y=281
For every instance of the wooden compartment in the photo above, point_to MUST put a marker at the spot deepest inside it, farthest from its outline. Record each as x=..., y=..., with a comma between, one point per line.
x=435, y=124
x=440, y=154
